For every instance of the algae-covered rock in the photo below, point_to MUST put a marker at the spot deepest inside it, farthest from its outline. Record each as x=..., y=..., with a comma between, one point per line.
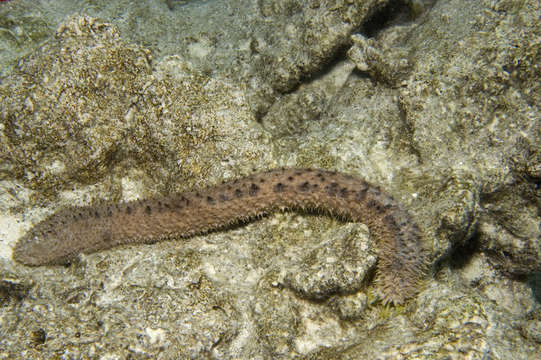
x=88, y=102
x=236, y=39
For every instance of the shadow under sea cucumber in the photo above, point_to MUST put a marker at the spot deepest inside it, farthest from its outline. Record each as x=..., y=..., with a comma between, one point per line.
x=75, y=230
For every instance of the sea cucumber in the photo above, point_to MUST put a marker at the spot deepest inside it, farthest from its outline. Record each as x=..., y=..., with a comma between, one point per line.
x=69, y=232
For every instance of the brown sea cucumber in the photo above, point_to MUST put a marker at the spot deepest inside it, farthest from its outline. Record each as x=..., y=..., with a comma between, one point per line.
x=69, y=232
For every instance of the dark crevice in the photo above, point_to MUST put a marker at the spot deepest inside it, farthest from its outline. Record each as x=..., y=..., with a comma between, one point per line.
x=462, y=255
x=395, y=12
x=338, y=55
x=534, y=282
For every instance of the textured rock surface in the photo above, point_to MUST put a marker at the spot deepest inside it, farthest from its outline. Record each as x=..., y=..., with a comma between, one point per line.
x=237, y=39
x=439, y=107
x=95, y=104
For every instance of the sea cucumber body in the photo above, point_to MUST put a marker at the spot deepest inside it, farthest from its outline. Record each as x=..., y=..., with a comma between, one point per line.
x=69, y=232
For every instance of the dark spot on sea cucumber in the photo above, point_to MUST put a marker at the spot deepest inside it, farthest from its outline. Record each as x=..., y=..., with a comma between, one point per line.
x=344, y=192
x=290, y=178
x=198, y=195
x=305, y=186
x=361, y=194
x=128, y=210
x=177, y=204
x=238, y=193
x=279, y=187
x=106, y=237
x=262, y=180
x=373, y=204
x=109, y=211
x=210, y=200
x=223, y=197
x=254, y=189
x=148, y=210
x=332, y=189
x=96, y=214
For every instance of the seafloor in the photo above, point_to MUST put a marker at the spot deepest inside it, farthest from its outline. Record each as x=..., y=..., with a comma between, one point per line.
x=436, y=101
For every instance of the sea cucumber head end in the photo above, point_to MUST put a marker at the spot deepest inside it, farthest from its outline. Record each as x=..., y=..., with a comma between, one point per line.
x=32, y=252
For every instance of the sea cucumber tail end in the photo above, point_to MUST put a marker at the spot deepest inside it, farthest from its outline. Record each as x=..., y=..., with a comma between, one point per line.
x=402, y=266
